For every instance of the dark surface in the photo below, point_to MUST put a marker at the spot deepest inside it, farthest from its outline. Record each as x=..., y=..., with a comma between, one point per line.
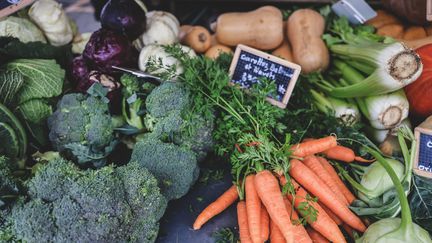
x=176, y=225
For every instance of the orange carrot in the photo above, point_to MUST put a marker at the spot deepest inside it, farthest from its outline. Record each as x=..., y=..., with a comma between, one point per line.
x=253, y=208
x=308, y=179
x=276, y=235
x=269, y=191
x=323, y=223
x=344, y=189
x=216, y=207
x=314, y=146
x=344, y=154
x=349, y=230
x=243, y=223
x=316, y=236
x=300, y=234
x=335, y=218
x=313, y=163
x=265, y=224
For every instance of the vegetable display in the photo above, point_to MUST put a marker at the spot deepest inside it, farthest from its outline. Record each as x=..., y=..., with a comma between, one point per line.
x=100, y=132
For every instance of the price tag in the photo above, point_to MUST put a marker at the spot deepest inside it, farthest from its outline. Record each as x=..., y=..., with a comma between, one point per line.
x=429, y=10
x=8, y=7
x=423, y=159
x=250, y=65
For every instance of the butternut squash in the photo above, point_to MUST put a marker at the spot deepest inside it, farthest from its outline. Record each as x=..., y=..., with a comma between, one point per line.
x=414, y=33
x=304, y=28
x=284, y=51
x=261, y=28
x=198, y=38
x=382, y=18
x=414, y=44
x=214, y=51
x=391, y=30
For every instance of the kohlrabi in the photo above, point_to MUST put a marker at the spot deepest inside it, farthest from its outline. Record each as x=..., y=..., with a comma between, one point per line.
x=395, y=229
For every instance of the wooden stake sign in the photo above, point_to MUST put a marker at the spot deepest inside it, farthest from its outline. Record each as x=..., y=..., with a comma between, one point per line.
x=423, y=157
x=249, y=65
x=8, y=7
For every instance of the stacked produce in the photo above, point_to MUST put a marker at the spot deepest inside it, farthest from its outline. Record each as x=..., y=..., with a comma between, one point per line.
x=94, y=154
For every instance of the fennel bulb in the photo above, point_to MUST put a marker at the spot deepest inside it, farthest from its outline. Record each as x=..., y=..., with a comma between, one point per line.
x=385, y=111
x=347, y=112
x=395, y=67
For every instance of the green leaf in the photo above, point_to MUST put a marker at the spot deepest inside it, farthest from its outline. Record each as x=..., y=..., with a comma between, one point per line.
x=36, y=111
x=42, y=78
x=12, y=48
x=10, y=144
x=10, y=83
x=8, y=118
x=421, y=202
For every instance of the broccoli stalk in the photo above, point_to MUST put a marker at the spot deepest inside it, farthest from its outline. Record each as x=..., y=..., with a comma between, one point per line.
x=130, y=113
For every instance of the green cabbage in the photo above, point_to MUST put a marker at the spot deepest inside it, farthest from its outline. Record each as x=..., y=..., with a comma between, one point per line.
x=22, y=29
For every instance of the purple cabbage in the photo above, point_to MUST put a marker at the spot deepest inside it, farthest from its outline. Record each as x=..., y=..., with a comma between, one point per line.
x=106, y=49
x=125, y=17
x=80, y=70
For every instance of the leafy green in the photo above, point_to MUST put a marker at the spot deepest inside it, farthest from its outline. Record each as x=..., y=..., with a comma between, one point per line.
x=43, y=78
x=10, y=83
x=12, y=48
x=421, y=202
x=11, y=146
x=14, y=133
x=225, y=235
x=28, y=87
x=21, y=28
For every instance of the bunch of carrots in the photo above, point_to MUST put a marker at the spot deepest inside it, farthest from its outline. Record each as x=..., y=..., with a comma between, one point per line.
x=266, y=212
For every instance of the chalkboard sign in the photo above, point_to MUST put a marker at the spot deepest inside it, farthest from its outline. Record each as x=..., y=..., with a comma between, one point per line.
x=11, y=6
x=423, y=159
x=250, y=65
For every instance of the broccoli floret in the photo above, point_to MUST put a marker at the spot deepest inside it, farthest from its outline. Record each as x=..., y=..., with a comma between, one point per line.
x=122, y=204
x=170, y=119
x=8, y=185
x=134, y=92
x=82, y=126
x=175, y=167
x=166, y=98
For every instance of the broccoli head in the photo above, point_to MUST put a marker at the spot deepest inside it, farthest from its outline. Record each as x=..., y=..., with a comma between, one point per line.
x=8, y=185
x=122, y=204
x=82, y=127
x=171, y=120
x=174, y=167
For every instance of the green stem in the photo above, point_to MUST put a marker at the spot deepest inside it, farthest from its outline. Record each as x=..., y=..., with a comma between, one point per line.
x=365, y=53
x=353, y=182
x=406, y=213
x=349, y=73
x=363, y=67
